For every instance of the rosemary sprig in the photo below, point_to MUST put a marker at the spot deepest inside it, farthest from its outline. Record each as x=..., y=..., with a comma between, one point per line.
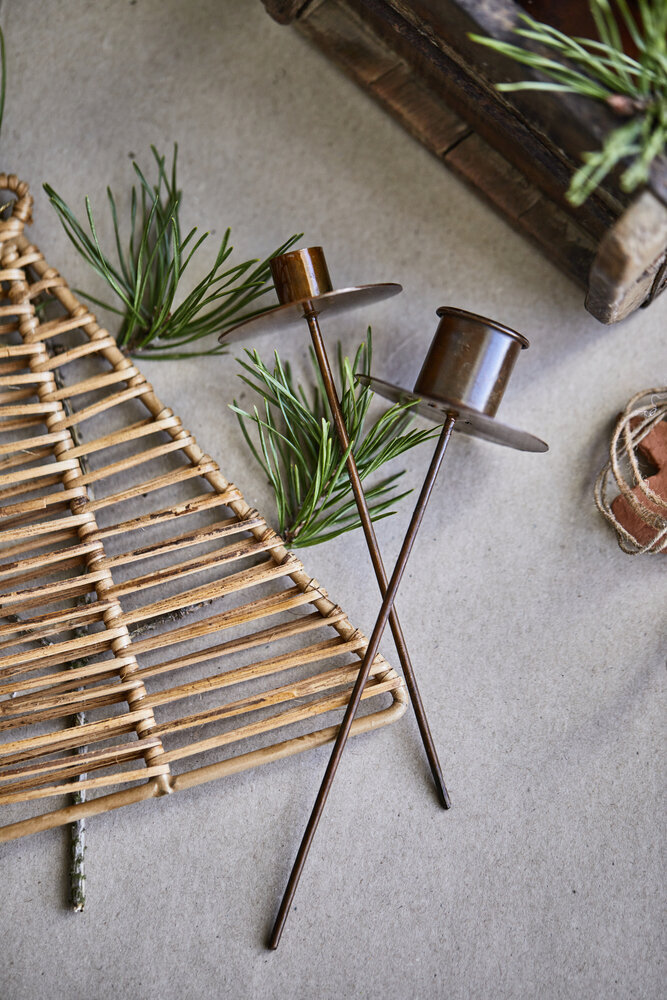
x=145, y=276
x=301, y=456
x=600, y=69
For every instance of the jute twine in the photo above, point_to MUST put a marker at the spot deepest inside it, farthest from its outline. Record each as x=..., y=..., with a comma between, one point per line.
x=643, y=412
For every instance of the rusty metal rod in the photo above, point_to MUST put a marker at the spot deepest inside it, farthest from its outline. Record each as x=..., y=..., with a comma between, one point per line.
x=362, y=677
x=376, y=558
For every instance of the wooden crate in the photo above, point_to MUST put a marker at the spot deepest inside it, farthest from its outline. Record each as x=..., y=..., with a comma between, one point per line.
x=518, y=151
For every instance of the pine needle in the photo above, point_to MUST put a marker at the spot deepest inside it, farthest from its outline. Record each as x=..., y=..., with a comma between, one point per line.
x=144, y=273
x=600, y=70
x=295, y=444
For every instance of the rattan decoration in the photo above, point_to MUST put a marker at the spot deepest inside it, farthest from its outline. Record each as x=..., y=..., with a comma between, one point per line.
x=138, y=585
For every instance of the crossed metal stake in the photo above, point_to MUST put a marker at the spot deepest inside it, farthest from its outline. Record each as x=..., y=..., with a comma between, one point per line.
x=462, y=381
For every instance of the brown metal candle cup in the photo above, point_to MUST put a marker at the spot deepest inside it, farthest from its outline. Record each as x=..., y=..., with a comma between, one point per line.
x=465, y=372
x=469, y=361
x=301, y=274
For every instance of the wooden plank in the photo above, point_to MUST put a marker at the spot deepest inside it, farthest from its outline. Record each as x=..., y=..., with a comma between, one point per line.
x=567, y=123
x=519, y=151
x=556, y=234
x=629, y=265
x=352, y=44
x=419, y=111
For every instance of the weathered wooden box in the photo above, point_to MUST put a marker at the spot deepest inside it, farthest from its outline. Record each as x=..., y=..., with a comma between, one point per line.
x=517, y=150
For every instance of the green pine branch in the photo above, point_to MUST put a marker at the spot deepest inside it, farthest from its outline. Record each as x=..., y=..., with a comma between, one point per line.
x=144, y=273
x=635, y=89
x=290, y=435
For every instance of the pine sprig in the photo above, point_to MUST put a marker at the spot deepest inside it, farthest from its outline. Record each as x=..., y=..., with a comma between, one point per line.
x=600, y=70
x=145, y=273
x=297, y=447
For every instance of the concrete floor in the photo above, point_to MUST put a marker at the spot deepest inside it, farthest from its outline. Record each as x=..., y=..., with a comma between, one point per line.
x=539, y=644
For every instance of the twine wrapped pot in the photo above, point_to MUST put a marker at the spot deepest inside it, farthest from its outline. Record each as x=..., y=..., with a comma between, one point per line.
x=96, y=586
x=645, y=497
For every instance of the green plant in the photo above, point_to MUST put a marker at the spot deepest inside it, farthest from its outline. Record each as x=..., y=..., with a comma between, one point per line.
x=300, y=453
x=601, y=70
x=148, y=273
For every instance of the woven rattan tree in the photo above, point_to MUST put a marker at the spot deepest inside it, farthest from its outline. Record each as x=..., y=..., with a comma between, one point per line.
x=138, y=585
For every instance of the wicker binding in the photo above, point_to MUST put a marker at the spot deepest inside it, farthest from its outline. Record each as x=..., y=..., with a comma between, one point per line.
x=113, y=525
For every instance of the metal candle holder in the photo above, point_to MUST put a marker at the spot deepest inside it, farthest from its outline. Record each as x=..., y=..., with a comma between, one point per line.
x=466, y=372
x=305, y=290
x=461, y=384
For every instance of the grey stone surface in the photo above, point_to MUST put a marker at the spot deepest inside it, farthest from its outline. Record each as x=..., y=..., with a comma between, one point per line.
x=539, y=645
